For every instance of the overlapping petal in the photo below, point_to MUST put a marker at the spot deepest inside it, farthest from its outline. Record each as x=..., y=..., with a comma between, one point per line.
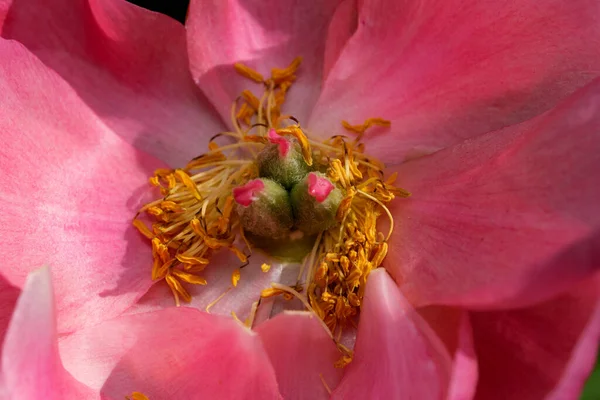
x=70, y=188
x=443, y=71
x=397, y=354
x=31, y=366
x=192, y=355
x=545, y=351
x=171, y=353
x=263, y=35
x=453, y=327
x=465, y=372
x=129, y=65
x=508, y=218
x=302, y=353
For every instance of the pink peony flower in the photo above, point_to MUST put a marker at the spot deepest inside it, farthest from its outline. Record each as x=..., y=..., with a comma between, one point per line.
x=491, y=284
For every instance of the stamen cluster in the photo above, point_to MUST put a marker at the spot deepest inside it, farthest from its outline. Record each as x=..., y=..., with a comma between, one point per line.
x=198, y=214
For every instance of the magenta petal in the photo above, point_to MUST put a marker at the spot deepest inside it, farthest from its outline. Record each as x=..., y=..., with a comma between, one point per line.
x=397, y=354
x=545, y=351
x=446, y=70
x=31, y=367
x=508, y=218
x=70, y=189
x=263, y=35
x=178, y=353
x=302, y=353
x=128, y=64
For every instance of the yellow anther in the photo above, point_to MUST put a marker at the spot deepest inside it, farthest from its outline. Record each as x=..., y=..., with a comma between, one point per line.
x=270, y=292
x=137, y=396
x=178, y=289
x=296, y=132
x=255, y=139
x=345, y=206
x=188, y=277
x=154, y=181
x=239, y=254
x=171, y=206
x=279, y=75
x=235, y=277
x=248, y=72
x=188, y=182
x=361, y=129
x=251, y=99
x=265, y=267
x=143, y=228
x=380, y=254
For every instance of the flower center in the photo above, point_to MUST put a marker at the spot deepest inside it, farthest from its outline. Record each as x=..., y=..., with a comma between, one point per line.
x=273, y=181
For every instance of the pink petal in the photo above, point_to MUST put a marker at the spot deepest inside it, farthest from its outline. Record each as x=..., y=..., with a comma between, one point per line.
x=397, y=354
x=443, y=71
x=545, y=351
x=508, y=218
x=263, y=35
x=302, y=353
x=454, y=329
x=70, y=189
x=128, y=64
x=31, y=367
x=342, y=27
x=465, y=366
x=178, y=353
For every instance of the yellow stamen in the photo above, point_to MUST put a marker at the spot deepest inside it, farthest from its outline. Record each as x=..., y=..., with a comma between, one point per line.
x=250, y=320
x=195, y=216
x=361, y=129
x=248, y=72
x=280, y=75
x=137, y=396
x=295, y=131
x=251, y=99
x=235, y=277
x=265, y=267
x=325, y=383
x=240, y=254
x=191, y=260
x=178, y=289
x=143, y=228
x=215, y=301
x=270, y=292
x=189, y=278
x=188, y=182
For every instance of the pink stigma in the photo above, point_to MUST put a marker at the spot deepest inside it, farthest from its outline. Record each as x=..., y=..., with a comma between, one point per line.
x=284, y=145
x=246, y=194
x=319, y=187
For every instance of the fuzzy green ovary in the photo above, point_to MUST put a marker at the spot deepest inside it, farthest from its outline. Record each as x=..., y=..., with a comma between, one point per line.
x=311, y=216
x=270, y=215
x=286, y=203
x=288, y=170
